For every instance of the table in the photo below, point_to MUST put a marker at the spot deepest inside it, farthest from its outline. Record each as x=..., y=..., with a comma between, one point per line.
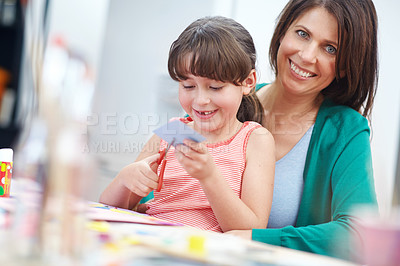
x=98, y=242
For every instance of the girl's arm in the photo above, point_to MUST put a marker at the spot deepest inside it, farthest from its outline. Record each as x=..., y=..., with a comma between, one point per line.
x=136, y=180
x=252, y=209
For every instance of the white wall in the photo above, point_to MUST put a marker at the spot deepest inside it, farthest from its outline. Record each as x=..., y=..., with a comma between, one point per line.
x=134, y=93
x=385, y=116
x=82, y=24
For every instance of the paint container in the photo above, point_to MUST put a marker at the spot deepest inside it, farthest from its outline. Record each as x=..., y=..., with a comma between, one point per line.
x=6, y=162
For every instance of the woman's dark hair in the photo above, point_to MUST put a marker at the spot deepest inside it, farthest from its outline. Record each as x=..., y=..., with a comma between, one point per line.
x=357, y=48
x=221, y=49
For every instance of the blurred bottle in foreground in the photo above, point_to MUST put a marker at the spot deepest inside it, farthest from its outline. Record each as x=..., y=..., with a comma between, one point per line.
x=48, y=225
x=378, y=242
x=67, y=90
x=53, y=170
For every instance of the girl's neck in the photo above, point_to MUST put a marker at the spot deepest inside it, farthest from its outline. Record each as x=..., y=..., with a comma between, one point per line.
x=221, y=134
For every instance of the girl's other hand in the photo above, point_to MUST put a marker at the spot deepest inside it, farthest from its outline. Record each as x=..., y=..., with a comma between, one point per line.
x=195, y=159
x=140, y=177
x=142, y=208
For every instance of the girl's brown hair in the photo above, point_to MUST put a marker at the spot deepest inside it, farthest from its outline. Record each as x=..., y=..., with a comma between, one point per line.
x=221, y=49
x=357, y=48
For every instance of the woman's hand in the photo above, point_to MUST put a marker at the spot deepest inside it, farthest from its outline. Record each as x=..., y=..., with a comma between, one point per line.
x=140, y=177
x=196, y=160
x=245, y=234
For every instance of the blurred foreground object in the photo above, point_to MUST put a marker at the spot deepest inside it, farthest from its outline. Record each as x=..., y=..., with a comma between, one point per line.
x=6, y=162
x=379, y=240
x=11, y=50
x=65, y=103
x=54, y=172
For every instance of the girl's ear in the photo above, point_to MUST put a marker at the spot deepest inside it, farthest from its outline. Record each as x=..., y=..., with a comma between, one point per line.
x=250, y=82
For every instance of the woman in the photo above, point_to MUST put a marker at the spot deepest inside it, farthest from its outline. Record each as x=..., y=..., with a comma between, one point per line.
x=324, y=54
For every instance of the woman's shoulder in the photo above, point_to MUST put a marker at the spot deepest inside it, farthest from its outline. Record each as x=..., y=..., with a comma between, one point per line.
x=341, y=113
x=261, y=85
x=335, y=128
x=341, y=118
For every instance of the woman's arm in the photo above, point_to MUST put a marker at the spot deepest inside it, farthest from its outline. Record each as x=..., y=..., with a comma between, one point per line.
x=232, y=212
x=135, y=180
x=351, y=180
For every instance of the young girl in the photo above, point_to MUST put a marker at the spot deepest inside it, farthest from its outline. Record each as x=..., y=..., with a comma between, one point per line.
x=226, y=182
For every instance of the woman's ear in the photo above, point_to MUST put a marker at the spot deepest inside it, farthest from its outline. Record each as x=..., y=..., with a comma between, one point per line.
x=250, y=82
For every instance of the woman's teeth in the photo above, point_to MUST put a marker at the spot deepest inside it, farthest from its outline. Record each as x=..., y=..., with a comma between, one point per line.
x=299, y=72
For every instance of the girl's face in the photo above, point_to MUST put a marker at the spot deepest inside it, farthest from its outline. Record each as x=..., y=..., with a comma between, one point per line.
x=307, y=53
x=211, y=104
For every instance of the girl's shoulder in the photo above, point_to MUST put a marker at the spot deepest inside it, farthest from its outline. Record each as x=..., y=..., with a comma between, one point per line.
x=248, y=128
x=259, y=136
x=260, y=144
x=250, y=125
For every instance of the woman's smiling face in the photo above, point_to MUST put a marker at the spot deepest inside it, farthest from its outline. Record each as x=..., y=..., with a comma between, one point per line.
x=307, y=53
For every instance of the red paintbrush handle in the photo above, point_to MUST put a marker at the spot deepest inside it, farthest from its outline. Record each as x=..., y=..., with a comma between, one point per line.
x=162, y=154
x=161, y=177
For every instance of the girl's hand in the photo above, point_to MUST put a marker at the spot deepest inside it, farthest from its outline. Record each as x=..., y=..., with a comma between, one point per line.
x=140, y=177
x=135, y=180
x=195, y=159
x=142, y=208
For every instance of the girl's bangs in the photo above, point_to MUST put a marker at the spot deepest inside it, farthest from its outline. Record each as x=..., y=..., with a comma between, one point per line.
x=205, y=61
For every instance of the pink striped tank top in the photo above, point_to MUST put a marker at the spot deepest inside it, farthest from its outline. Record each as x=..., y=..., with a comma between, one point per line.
x=182, y=200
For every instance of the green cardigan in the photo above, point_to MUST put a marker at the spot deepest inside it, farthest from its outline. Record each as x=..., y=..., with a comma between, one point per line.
x=337, y=176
